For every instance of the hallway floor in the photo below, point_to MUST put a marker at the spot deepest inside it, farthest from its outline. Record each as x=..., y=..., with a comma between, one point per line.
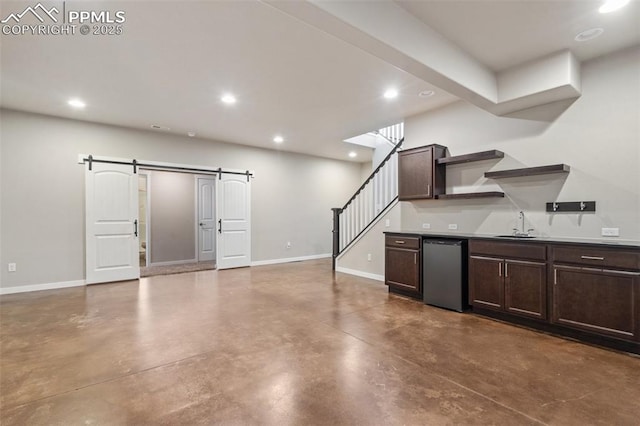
x=290, y=345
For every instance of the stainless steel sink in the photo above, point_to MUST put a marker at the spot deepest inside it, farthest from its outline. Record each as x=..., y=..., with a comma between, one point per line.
x=515, y=236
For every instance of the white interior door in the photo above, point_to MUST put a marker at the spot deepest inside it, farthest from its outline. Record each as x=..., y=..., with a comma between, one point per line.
x=233, y=203
x=206, y=219
x=111, y=223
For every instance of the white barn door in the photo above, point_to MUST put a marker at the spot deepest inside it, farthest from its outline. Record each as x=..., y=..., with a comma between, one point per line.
x=233, y=204
x=111, y=207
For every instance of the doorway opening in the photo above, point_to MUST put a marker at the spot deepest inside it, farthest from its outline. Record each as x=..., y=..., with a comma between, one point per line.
x=143, y=195
x=180, y=218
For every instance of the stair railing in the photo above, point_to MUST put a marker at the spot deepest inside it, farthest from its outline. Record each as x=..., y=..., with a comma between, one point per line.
x=371, y=200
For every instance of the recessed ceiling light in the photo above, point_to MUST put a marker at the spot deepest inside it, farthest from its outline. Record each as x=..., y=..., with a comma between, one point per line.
x=391, y=93
x=191, y=134
x=76, y=103
x=589, y=34
x=611, y=5
x=426, y=93
x=278, y=139
x=352, y=154
x=228, y=98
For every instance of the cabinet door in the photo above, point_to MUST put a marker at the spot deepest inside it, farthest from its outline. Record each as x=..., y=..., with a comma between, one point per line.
x=525, y=288
x=486, y=284
x=415, y=174
x=402, y=269
x=601, y=301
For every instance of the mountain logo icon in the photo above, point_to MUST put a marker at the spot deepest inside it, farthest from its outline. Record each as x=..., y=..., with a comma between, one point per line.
x=39, y=11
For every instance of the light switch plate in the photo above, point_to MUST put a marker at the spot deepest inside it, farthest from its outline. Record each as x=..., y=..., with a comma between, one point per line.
x=453, y=226
x=387, y=222
x=426, y=226
x=610, y=232
x=11, y=267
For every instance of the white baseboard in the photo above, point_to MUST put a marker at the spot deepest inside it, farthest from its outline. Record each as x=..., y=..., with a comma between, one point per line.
x=360, y=273
x=290, y=259
x=39, y=287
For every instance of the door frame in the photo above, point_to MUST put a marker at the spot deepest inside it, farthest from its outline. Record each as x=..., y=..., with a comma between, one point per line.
x=213, y=177
x=147, y=219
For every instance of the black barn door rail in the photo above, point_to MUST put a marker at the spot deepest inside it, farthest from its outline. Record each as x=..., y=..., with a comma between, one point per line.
x=135, y=164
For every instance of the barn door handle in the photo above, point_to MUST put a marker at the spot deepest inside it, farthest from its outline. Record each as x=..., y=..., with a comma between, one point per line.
x=135, y=227
x=219, y=226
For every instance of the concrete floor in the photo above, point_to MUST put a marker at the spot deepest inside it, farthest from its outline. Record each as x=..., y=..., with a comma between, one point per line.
x=290, y=344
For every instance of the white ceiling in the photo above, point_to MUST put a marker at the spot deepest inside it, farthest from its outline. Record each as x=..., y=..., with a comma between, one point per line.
x=175, y=59
x=504, y=33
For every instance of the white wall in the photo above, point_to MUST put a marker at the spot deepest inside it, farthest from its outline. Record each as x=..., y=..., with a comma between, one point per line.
x=598, y=136
x=42, y=191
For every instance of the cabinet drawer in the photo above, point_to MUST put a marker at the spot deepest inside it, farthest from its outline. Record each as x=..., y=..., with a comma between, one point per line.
x=401, y=241
x=599, y=257
x=511, y=250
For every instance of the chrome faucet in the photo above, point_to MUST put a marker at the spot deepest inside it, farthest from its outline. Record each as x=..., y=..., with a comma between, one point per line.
x=522, y=233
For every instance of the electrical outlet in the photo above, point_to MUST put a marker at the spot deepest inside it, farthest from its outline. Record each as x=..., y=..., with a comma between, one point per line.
x=11, y=267
x=453, y=226
x=387, y=222
x=288, y=244
x=369, y=257
x=610, y=232
x=426, y=226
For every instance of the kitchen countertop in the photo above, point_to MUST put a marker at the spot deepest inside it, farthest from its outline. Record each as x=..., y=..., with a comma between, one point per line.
x=538, y=239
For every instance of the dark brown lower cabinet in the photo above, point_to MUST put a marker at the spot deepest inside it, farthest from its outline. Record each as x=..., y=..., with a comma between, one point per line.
x=601, y=301
x=403, y=264
x=525, y=289
x=514, y=286
x=508, y=278
x=486, y=286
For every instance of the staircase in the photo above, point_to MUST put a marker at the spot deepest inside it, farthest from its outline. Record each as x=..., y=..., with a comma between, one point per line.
x=378, y=192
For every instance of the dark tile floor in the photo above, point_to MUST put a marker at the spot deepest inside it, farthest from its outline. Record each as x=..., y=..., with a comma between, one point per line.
x=290, y=344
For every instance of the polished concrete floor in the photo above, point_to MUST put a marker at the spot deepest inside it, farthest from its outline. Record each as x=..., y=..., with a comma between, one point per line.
x=290, y=345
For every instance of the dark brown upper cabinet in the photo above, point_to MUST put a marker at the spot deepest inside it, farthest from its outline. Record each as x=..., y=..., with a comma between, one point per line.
x=419, y=176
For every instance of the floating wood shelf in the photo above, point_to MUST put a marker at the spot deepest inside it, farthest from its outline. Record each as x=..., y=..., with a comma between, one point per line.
x=468, y=195
x=528, y=171
x=467, y=158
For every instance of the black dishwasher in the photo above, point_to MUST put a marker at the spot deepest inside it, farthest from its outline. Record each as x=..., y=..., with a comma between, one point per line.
x=444, y=274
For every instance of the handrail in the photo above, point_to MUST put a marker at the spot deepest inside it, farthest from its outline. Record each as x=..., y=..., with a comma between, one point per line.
x=382, y=163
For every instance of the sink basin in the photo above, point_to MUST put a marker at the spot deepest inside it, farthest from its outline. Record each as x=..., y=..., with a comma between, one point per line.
x=515, y=236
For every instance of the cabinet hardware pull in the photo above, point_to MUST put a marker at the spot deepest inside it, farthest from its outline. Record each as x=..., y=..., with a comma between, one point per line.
x=428, y=189
x=400, y=242
x=500, y=269
x=506, y=270
x=592, y=257
x=555, y=276
x=415, y=258
x=613, y=271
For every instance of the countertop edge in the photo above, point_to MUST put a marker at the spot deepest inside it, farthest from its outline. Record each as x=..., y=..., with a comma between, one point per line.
x=537, y=240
